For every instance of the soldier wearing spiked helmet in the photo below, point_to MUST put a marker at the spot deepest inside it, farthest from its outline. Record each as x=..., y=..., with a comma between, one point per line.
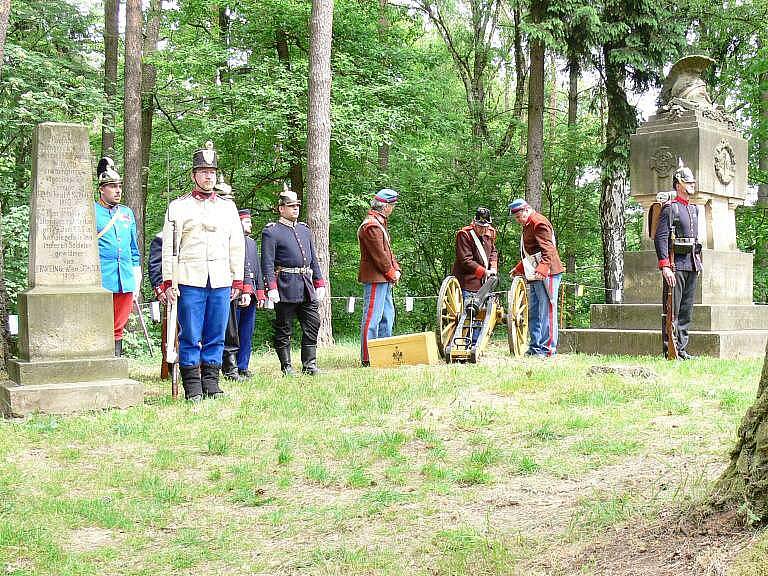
x=679, y=255
x=119, y=255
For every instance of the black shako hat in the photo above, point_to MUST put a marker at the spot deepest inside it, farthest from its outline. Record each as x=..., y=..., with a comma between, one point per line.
x=205, y=157
x=483, y=217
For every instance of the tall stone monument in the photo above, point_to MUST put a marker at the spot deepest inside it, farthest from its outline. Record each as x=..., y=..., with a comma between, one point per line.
x=66, y=357
x=725, y=324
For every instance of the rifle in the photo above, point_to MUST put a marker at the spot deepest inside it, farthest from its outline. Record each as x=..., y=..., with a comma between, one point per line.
x=670, y=324
x=143, y=325
x=171, y=308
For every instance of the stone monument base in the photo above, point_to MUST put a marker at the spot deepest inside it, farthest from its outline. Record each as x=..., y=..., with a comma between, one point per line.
x=722, y=331
x=65, y=397
x=720, y=344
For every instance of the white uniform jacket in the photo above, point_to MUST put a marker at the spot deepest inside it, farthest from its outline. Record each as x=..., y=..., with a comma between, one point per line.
x=210, y=242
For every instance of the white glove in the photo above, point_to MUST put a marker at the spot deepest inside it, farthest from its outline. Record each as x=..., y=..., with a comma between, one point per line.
x=274, y=296
x=137, y=281
x=397, y=276
x=320, y=292
x=245, y=300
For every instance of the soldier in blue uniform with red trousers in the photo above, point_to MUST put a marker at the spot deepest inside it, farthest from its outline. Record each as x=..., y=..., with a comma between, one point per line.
x=119, y=255
x=252, y=297
x=294, y=281
x=677, y=234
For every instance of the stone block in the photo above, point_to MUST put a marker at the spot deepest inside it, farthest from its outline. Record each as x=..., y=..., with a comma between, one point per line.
x=66, y=322
x=68, y=397
x=705, y=317
x=726, y=279
x=28, y=373
x=718, y=344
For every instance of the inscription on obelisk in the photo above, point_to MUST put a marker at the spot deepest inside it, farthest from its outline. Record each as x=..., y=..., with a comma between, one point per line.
x=63, y=249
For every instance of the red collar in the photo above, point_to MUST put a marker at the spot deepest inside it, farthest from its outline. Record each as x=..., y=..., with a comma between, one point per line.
x=198, y=194
x=682, y=201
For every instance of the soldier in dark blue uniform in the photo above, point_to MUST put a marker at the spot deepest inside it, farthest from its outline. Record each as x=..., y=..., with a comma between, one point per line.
x=252, y=297
x=294, y=281
x=676, y=234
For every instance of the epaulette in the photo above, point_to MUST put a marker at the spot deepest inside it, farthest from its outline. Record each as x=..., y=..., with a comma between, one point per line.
x=303, y=224
x=270, y=224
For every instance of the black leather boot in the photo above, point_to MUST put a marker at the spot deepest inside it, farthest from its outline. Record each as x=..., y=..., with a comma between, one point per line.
x=118, y=348
x=190, y=379
x=284, y=354
x=229, y=366
x=209, y=374
x=309, y=360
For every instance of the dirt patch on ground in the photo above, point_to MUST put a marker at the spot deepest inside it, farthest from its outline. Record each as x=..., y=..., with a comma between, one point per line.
x=674, y=545
x=90, y=538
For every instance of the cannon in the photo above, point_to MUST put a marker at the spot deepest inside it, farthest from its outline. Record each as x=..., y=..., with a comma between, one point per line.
x=464, y=326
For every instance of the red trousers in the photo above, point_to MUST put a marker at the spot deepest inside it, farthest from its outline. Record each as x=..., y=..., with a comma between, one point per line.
x=122, y=302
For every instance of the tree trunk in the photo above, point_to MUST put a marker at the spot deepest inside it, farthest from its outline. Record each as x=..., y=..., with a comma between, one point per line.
x=535, y=154
x=574, y=69
x=5, y=12
x=319, y=147
x=762, y=189
x=745, y=480
x=148, y=81
x=383, y=152
x=133, y=196
x=295, y=170
x=620, y=122
x=520, y=79
x=111, y=43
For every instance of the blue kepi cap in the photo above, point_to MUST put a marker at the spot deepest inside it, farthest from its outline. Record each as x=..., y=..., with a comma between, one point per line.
x=386, y=195
x=516, y=205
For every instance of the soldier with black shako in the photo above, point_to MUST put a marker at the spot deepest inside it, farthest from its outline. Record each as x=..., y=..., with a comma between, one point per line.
x=294, y=282
x=209, y=267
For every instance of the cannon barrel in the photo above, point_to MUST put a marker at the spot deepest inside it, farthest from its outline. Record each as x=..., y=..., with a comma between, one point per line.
x=477, y=302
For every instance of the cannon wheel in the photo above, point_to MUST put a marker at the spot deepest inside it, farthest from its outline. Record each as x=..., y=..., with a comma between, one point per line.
x=517, y=317
x=450, y=305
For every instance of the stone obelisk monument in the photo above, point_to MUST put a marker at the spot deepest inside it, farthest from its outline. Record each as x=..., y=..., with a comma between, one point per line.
x=66, y=357
x=726, y=323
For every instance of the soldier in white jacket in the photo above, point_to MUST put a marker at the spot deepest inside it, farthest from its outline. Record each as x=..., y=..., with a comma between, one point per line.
x=209, y=273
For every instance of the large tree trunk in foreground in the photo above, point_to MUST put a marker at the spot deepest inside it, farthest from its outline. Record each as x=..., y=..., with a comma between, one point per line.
x=111, y=42
x=132, y=191
x=319, y=148
x=745, y=481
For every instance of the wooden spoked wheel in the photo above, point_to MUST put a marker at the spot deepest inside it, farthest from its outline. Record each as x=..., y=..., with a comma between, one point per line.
x=450, y=305
x=517, y=317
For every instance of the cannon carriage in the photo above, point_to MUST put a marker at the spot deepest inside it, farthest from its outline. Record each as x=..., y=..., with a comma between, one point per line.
x=465, y=326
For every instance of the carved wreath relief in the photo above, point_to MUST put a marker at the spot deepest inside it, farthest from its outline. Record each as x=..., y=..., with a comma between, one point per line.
x=724, y=161
x=662, y=161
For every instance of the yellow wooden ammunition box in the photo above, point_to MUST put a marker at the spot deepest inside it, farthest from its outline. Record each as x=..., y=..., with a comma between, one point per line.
x=420, y=348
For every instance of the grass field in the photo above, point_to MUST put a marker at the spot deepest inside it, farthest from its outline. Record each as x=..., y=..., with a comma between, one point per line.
x=505, y=467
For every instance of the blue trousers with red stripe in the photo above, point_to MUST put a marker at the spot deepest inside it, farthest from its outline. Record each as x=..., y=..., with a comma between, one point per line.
x=542, y=315
x=378, y=314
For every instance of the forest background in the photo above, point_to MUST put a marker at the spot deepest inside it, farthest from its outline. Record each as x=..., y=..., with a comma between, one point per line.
x=455, y=104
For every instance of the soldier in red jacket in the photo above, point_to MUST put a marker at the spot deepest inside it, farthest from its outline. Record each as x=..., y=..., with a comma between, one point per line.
x=379, y=271
x=544, y=272
x=476, y=256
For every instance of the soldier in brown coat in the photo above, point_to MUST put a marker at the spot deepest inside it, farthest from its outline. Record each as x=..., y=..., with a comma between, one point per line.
x=543, y=269
x=476, y=256
x=379, y=271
